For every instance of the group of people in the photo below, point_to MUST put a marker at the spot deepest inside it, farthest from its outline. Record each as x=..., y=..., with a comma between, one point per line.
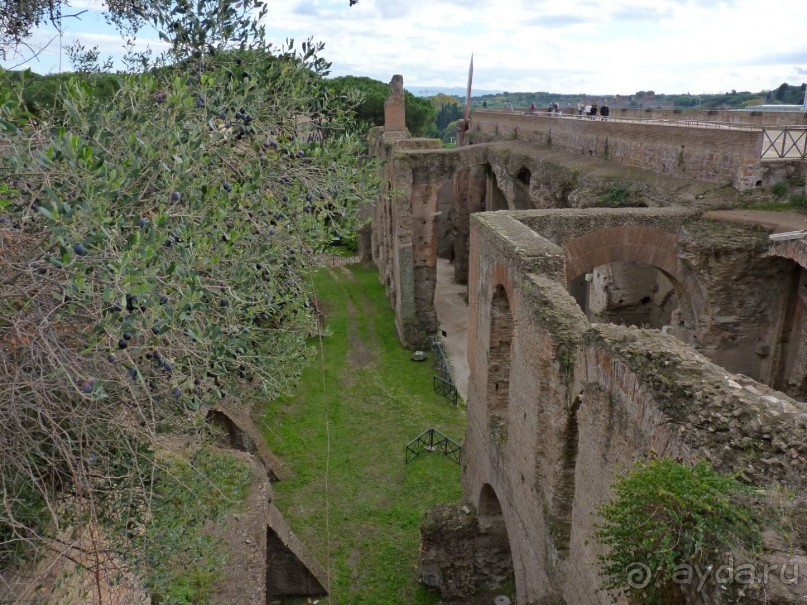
x=590, y=110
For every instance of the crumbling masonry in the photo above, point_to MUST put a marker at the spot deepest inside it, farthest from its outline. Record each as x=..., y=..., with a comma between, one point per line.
x=618, y=309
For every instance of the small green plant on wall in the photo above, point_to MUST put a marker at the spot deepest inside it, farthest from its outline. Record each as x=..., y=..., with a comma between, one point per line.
x=668, y=518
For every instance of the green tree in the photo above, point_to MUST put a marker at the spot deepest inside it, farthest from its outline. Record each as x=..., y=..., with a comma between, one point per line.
x=158, y=247
x=19, y=18
x=372, y=93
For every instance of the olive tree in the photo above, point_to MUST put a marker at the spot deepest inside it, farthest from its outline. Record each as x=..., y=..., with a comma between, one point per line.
x=157, y=251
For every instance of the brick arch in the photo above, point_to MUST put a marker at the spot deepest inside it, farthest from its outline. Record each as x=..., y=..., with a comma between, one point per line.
x=633, y=243
x=794, y=249
x=494, y=541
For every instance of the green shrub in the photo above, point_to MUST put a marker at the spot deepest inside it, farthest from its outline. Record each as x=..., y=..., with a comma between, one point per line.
x=799, y=201
x=666, y=515
x=157, y=242
x=619, y=196
x=779, y=189
x=183, y=563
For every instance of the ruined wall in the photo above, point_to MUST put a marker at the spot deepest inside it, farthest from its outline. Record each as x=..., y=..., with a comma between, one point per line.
x=712, y=155
x=410, y=223
x=583, y=402
x=737, y=303
x=394, y=108
x=403, y=236
x=723, y=116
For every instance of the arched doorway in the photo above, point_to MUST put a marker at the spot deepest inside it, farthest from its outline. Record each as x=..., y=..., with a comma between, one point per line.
x=641, y=264
x=631, y=294
x=495, y=572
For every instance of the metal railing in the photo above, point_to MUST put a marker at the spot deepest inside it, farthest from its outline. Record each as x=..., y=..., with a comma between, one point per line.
x=787, y=142
x=442, y=382
x=432, y=440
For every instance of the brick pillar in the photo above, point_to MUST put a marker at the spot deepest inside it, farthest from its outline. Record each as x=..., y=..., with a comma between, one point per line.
x=394, y=111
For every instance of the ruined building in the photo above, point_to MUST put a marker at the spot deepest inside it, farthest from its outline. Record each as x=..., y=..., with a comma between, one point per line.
x=619, y=307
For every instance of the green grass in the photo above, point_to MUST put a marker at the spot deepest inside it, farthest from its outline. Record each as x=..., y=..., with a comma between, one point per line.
x=374, y=503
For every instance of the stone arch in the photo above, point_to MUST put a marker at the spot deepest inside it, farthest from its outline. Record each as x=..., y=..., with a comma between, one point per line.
x=499, y=355
x=634, y=243
x=788, y=355
x=794, y=249
x=493, y=542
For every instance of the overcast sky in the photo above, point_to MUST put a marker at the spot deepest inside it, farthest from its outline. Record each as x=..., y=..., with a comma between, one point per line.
x=563, y=46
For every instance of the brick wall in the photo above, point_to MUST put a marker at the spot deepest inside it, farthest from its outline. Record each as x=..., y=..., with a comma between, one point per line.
x=712, y=155
x=585, y=402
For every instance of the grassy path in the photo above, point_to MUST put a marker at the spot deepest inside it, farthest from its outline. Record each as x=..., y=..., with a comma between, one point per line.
x=377, y=400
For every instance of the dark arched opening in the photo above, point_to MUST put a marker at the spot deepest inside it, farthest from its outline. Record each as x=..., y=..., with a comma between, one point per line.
x=494, y=197
x=629, y=293
x=493, y=555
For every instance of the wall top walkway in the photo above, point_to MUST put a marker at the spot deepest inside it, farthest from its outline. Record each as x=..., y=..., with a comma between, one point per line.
x=758, y=119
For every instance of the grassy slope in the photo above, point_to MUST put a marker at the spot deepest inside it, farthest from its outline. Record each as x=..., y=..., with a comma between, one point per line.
x=377, y=400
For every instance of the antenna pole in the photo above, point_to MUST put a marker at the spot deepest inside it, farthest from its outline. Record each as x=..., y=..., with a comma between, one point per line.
x=465, y=125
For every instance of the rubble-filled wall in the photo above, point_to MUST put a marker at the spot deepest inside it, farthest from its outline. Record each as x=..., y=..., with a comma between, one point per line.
x=557, y=407
x=405, y=228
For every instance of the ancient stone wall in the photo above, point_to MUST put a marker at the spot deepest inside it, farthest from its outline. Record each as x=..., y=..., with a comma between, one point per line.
x=722, y=116
x=712, y=155
x=719, y=116
x=582, y=403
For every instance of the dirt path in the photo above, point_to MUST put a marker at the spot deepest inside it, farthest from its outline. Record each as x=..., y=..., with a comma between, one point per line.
x=362, y=351
x=777, y=222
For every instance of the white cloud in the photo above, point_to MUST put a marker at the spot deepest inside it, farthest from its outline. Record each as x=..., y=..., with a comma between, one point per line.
x=616, y=47
x=592, y=46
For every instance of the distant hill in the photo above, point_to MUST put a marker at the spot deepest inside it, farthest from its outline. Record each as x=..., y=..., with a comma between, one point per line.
x=785, y=94
x=453, y=91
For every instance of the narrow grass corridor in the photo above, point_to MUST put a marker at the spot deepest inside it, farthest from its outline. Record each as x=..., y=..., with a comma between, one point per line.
x=376, y=400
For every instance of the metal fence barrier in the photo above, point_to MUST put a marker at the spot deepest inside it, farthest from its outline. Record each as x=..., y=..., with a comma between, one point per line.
x=787, y=142
x=442, y=382
x=432, y=440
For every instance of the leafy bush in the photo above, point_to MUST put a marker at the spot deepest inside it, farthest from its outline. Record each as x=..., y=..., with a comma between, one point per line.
x=779, y=189
x=183, y=562
x=668, y=514
x=619, y=196
x=157, y=249
x=799, y=201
